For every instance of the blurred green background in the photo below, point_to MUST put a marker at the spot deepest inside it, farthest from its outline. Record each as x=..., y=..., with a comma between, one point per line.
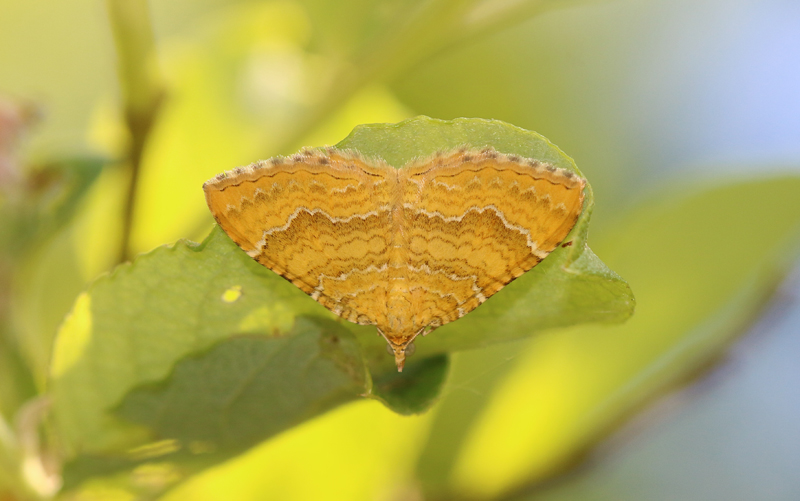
x=684, y=115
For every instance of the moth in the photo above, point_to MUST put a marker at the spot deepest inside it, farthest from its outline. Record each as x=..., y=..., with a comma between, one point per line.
x=405, y=249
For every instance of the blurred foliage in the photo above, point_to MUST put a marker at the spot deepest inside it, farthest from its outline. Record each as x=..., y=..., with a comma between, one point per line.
x=136, y=104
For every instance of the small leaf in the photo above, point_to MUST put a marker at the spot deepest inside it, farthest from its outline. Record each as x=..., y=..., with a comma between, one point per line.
x=416, y=388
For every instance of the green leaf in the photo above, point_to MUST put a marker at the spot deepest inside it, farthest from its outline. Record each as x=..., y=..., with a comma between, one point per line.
x=16, y=382
x=152, y=322
x=416, y=388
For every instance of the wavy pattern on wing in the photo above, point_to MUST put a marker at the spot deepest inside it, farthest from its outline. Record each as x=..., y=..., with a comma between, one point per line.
x=405, y=250
x=318, y=219
x=478, y=220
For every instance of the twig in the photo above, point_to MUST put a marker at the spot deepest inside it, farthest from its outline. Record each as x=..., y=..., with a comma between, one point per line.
x=141, y=93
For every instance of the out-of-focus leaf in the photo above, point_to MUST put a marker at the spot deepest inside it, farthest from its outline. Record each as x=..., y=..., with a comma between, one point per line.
x=347, y=28
x=474, y=375
x=38, y=258
x=359, y=452
x=45, y=201
x=12, y=487
x=16, y=383
x=386, y=36
x=703, y=266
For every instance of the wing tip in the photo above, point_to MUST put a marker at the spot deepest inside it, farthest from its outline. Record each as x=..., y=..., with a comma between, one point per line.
x=323, y=157
x=462, y=154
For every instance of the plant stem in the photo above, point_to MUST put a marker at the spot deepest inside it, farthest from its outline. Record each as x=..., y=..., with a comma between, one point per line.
x=141, y=93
